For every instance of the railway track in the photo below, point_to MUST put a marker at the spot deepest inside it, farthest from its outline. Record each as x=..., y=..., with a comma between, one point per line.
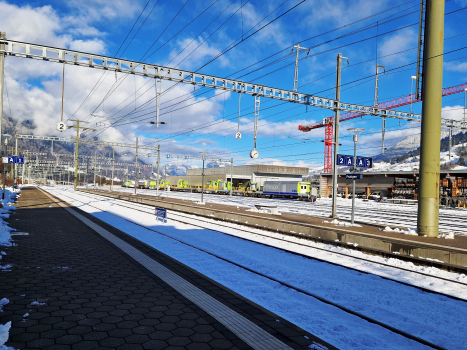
x=265, y=234
x=454, y=221
x=416, y=260
x=138, y=207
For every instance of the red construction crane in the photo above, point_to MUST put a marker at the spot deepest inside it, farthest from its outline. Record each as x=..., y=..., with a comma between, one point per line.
x=329, y=125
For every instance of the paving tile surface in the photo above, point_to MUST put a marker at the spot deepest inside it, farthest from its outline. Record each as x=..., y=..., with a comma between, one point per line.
x=93, y=296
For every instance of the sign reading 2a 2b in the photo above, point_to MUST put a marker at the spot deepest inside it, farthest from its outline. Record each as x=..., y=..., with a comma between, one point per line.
x=362, y=162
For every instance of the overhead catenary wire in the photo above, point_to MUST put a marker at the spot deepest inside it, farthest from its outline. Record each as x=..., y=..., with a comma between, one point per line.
x=342, y=26
x=100, y=78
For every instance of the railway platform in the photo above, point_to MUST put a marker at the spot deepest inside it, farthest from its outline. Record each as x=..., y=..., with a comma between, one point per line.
x=450, y=254
x=76, y=282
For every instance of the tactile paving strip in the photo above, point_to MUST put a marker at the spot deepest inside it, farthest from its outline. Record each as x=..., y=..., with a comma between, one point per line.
x=246, y=330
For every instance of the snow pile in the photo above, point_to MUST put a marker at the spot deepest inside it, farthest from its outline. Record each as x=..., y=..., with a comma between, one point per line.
x=36, y=303
x=263, y=211
x=341, y=223
x=4, y=333
x=446, y=235
x=3, y=302
x=4, y=329
x=7, y=205
x=409, y=231
x=5, y=240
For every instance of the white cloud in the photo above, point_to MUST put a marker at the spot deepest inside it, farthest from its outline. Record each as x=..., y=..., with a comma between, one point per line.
x=453, y=112
x=197, y=55
x=91, y=46
x=97, y=10
x=456, y=67
x=338, y=12
x=400, y=41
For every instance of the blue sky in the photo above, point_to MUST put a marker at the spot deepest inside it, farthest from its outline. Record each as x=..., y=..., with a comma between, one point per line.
x=190, y=34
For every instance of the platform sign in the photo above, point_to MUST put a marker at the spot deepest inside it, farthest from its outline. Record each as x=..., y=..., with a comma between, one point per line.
x=161, y=214
x=353, y=176
x=362, y=162
x=344, y=160
x=14, y=159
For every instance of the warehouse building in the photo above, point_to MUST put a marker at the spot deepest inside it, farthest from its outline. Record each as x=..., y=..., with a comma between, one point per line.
x=242, y=174
x=393, y=184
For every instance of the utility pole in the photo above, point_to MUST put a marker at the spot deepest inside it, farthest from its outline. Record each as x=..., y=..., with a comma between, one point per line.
x=77, y=146
x=95, y=168
x=297, y=49
x=157, y=176
x=158, y=100
x=113, y=167
x=231, y=176
x=2, y=69
x=202, y=180
x=428, y=198
x=375, y=104
x=4, y=167
x=336, y=134
x=14, y=165
x=136, y=165
x=450, y=142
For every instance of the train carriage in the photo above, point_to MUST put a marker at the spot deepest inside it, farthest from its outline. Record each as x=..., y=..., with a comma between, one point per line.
x=287, y=189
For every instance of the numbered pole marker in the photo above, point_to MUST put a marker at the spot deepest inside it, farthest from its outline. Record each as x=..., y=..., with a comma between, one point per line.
x=61, y=126
x=238, y=135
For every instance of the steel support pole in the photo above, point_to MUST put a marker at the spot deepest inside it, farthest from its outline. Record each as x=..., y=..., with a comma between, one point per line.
x=336, y=135
x=95, y=168
x=450, y=142
x=2, y=77
x=158, y=161
x=4, y=175
x=14, y=165
x=231, y=176
x=355, y=139
x=428, y=197
x=202, y=182
x=136, y=165
x=76, y=155
x=113, y=168
x=295, y=80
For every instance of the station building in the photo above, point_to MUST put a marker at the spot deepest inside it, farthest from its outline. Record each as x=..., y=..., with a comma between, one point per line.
x=394, y=184
x=242, y=174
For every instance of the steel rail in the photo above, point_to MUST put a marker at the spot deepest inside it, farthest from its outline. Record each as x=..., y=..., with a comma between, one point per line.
x=285, y=284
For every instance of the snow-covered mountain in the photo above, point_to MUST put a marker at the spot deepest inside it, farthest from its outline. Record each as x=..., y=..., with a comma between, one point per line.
x=408, y=144
x=217, y=164
x=172, y=169
x=411, y=162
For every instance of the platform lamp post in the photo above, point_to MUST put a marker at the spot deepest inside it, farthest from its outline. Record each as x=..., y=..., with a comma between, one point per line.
x=355, y=132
